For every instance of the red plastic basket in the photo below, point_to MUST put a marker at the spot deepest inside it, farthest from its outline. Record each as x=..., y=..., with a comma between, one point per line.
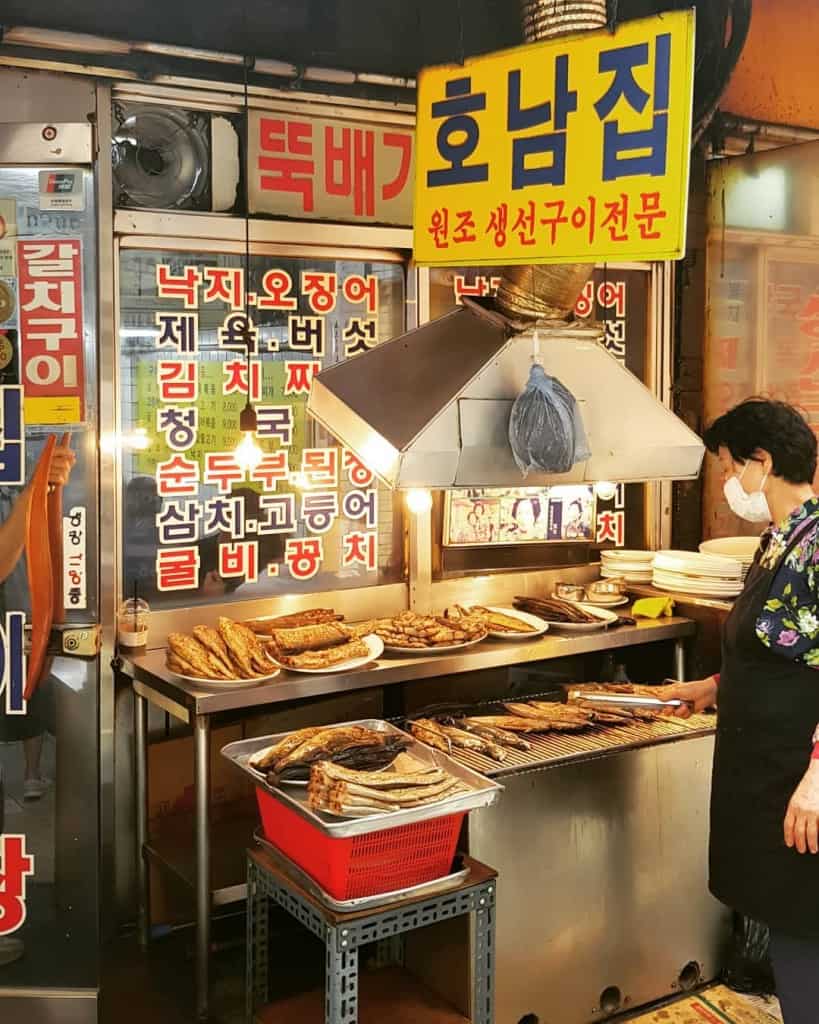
x=394, y=858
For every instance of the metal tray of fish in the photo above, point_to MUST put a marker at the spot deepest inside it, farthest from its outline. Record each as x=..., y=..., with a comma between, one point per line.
x=483, y=791
x=434, y=888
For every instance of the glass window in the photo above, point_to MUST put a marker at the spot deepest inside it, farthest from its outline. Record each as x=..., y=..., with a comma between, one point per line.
x=202, y=523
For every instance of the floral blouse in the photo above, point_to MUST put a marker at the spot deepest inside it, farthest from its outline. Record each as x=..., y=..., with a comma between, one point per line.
x=789, y=621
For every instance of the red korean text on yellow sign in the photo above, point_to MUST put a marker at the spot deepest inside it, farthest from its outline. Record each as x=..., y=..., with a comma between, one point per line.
x=571, y=150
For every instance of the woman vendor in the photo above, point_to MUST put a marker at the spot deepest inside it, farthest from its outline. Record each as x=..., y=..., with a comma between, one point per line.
x=765, y=790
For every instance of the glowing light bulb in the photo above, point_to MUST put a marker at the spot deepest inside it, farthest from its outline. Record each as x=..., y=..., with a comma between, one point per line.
x=299, y=481
x=248, y=454
x=605, y=490
x=419, y=501
x=138, y=440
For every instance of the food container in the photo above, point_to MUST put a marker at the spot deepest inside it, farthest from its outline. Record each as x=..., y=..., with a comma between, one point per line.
x=133, y=618
x=605, y=590
x=569, y=591
x=358, y=857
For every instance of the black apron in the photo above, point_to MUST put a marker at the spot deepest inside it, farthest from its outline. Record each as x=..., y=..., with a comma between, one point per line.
x=768, y=710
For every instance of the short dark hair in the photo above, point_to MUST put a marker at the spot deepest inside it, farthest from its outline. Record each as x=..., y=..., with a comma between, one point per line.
x=777, y=428
x=536, y=509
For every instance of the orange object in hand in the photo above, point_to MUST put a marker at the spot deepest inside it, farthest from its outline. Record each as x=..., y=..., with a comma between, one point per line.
x=39, y=568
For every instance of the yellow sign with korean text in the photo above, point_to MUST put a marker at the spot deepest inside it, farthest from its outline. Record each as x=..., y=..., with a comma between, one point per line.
x=573, y=150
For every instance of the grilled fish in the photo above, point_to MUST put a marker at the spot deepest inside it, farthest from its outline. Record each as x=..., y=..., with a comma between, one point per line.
x=270, y=755
x=430, y=732
x=236, y=642
x=504, y=739
x=210, y=638
x=384, y=779
x=311, y=617
x=197, y=656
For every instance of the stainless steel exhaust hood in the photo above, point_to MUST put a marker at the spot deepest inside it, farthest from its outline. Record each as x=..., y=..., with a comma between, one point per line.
x=431, y=408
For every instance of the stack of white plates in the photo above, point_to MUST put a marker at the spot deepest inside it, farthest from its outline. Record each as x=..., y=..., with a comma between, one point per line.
x=633, y=566
x=690, y=573
x=742, y=549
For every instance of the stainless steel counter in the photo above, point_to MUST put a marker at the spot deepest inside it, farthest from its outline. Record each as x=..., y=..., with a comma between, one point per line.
x=183, y=700
x=153, y=683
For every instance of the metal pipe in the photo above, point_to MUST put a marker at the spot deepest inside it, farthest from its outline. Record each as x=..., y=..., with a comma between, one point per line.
x=141, y=772
x=201, y=753
x=679, y=660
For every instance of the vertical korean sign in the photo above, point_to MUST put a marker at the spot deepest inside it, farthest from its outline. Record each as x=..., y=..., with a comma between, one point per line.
x=569, y=150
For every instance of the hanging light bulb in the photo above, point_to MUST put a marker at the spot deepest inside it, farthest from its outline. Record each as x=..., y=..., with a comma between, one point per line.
x=248, y=453
x=605, y=490
x=419, y=501
x=139, y=440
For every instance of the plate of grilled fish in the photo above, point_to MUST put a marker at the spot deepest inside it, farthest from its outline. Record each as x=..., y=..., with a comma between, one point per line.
x=501, y=623
x=566, y=616
x=309, y=617
x=325, y=647
x=410, y=633
x=226, y=656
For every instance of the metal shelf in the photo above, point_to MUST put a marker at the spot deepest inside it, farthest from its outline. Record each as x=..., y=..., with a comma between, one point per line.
x=174, y=850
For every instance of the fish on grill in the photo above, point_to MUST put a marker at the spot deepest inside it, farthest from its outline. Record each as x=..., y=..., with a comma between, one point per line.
x=511, y=723
x=429, y=732
x=504, y=739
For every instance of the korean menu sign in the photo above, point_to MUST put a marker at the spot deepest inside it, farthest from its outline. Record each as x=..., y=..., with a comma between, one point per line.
x=568, y=150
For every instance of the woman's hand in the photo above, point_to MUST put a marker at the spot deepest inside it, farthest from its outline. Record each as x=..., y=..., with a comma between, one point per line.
x=62, y=462
x=802, y=817
x=699, y=695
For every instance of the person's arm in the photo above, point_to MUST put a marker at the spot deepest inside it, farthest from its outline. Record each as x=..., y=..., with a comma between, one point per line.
x=700, y=694
x=13, y=530
x=802, y=816
x=13, y=535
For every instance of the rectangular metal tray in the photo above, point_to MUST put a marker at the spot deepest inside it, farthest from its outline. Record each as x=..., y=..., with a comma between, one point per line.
x=434, y=888
x=484, y=791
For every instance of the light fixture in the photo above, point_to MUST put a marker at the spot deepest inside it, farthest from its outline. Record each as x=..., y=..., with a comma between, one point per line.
x=248, y=454
x=419, y=501
x=137, y=440
x=605, y=490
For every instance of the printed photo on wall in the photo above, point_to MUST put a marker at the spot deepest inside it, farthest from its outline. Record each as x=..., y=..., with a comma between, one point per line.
x=481, y=517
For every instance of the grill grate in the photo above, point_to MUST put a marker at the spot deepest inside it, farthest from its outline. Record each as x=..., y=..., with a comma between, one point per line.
x=554, y=749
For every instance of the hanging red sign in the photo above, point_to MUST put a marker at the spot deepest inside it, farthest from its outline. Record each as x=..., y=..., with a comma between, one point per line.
x=51, y=329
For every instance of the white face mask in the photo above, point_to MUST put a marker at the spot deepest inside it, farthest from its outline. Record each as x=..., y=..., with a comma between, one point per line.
x=752, y=507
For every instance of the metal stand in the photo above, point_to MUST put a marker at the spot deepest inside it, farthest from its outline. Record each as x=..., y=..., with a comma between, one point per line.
x=679, y=660
x=343, y=938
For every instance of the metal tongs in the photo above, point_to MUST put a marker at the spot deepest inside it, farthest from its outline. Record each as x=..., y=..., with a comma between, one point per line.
x=626, y=700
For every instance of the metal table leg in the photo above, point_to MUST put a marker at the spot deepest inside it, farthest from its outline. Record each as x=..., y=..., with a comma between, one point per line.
x=258, y=907
x=340, y=980
x=679, y=660
x=201, y=749
x=143, y=874
x=483, y=967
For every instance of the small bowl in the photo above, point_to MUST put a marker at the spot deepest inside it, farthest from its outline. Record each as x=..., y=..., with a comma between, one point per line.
x=606, y=588
x=569, y=591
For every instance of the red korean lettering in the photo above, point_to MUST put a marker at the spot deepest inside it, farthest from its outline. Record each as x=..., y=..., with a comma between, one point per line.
x=584, y=307
x=292, y=169
x=16, y=867
x=616, y=219
x=554, y=215
x=360, y=549
x=298, y=377
x=178, y=286
x=235, y=378
x=809, y=318
x=178, y=382
x=465, y=230
x=357, y=473
x=403, y=142
x=319, y=467
x=612, y=295
x=358, y=288
x=222, y=469
x=525, y=224
x=177, y=569
x=177, y=476
x=584, y=218
x=439, y=228
x=272, y=468
x=611, y=528
x=785, y=299
x=224, y=284
x=727, y=350
x=320, y=290
x=349, y=166
x=498, y=224
x=650, y=211
x=304, y=557
x=278, y=288
x=239, y=560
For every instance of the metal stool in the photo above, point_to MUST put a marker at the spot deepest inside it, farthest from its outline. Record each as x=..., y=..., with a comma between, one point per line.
x=344, y=934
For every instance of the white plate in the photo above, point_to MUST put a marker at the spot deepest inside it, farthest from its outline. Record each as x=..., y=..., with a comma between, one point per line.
x=540, y=627
x=742, y=549
x=626, y=555
x=409, y=651
x=618, y=602
x=691, y=563
x=673, y=588
x=697, y=582
x=225, y=684
x=606, y=619
x=375, y=646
